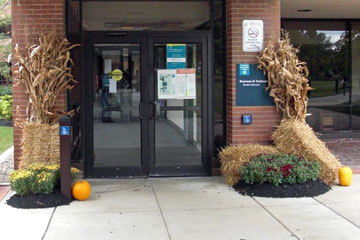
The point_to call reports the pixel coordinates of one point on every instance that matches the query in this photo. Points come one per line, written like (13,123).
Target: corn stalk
(44,70)
(287,78)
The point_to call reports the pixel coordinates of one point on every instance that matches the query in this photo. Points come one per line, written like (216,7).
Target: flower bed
(279,169)
(37,178)
(37,186)
(280,176)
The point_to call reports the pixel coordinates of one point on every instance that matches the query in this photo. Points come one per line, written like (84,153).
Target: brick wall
(264,118)
(29,18)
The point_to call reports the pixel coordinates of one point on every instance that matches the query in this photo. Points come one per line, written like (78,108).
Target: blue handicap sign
(246,119)
(244,69)
(64,130)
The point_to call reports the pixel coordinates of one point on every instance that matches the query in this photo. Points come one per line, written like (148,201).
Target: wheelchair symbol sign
(64,130)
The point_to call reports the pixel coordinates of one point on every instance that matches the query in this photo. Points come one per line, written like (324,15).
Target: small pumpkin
(81,190)
(345,176)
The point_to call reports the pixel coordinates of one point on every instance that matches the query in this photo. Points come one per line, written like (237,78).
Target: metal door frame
(147,86)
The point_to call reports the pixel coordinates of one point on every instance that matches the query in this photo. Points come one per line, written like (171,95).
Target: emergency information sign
(253,35)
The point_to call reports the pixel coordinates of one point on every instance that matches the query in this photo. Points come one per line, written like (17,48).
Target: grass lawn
(6,138)
(325,88)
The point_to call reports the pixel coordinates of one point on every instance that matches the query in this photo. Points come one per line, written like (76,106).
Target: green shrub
(6,107)
(37,178)
(279,169)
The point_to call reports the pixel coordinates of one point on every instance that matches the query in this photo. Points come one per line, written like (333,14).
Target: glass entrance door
(178,70)
(116,100)
(146,106)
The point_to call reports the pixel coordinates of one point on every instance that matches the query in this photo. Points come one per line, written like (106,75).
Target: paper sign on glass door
(112,86)
(177,84)
(166,84)
(186,83)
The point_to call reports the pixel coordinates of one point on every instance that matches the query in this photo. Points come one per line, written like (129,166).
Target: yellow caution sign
(117,74)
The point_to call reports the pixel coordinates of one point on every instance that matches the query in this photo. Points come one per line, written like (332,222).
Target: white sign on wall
(253,35)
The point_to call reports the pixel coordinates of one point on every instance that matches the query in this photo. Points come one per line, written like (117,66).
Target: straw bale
(232,157)
(298,138)
(40,143)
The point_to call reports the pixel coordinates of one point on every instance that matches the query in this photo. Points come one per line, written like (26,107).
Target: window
(333,65)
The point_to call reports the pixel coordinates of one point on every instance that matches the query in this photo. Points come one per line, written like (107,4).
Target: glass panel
(329,118)
(145,15)
(355,117)
(178,117)
(116,105)
(324,47)
(355,52)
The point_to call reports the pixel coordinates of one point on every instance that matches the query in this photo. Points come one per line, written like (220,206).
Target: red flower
(286,170)
(269,169)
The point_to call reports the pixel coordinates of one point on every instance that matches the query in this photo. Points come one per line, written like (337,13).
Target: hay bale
(233,157)
(40,143)
(298,138)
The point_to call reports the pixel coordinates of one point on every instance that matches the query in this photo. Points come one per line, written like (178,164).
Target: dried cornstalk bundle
(45,73)
(233,157)
(287,78)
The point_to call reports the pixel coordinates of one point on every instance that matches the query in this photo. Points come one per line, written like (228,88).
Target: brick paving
(3,191)
(347,151)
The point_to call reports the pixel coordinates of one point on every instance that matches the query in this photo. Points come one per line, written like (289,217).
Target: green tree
(5,38)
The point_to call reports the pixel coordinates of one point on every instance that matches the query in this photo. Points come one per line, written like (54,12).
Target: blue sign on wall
(64,130)
(175,56)
(250,86)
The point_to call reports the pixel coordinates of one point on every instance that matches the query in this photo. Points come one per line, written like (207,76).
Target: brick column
(264,118)
(29,18)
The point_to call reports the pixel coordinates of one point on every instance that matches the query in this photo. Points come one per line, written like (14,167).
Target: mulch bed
(306,189)
(39,200)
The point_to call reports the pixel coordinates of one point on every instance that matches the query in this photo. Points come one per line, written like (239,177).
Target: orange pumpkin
(81,190)
(345,176)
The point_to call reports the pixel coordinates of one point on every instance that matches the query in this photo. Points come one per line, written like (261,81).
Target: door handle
(152,110)
(147,110)
(143,111)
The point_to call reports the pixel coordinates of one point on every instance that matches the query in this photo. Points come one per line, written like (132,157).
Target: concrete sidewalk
(187,209)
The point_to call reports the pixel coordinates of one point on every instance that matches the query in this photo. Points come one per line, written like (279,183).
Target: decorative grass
(232,157)
(298,138)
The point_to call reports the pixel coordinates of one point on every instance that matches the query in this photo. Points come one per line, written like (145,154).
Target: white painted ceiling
(321,9)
